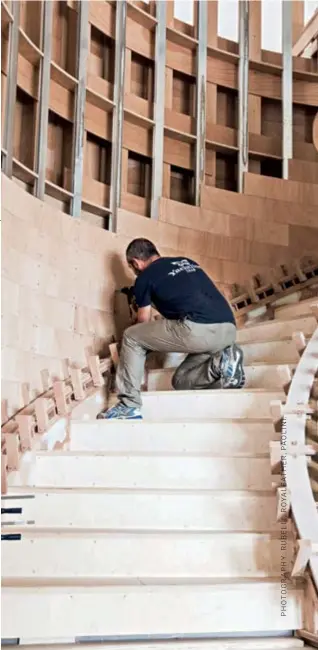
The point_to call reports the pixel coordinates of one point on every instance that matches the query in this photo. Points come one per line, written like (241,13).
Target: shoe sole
(239,363)
(104,417)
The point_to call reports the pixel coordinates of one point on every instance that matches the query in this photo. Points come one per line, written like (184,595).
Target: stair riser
(275,330)
(243,643)
(153,512)
(256,377)
(290,312)
(147,610)
(148,472)
(147,558)
(197,438)
(274,352)
(204,405)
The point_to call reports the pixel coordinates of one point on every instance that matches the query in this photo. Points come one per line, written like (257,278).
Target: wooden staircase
(159,532)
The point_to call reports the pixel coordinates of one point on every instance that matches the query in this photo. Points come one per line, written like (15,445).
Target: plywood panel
(280,189)
(306,172)
(138,105)
(222,72)
(61,101)
(98,121)
(178,153)
(180,58)
(28,77)
(137,138)
(24,129)
(264,84)
(259,207)
(139,39)
(102,16)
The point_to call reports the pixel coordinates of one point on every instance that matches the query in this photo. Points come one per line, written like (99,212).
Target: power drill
(130,294)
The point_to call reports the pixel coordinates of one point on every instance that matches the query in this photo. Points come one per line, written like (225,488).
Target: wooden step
(146,558)
(273,352)
(257,376)
(54,470)
(277,329)
(192,405)
(128,610)
(231,437)
(242,643)
(302,308)
(209,404)
(145,511)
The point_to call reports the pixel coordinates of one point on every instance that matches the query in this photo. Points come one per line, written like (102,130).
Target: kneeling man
(197,320)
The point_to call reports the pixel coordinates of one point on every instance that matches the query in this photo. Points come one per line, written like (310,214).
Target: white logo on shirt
(183,265)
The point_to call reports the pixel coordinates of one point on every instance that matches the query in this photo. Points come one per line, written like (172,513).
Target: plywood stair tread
(144,472)
(142,510)
(169,558)
(181,609)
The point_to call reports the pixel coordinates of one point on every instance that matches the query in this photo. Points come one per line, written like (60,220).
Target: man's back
(179,289)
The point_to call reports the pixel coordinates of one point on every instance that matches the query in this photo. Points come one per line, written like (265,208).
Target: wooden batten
(94,368)
(60,397)
(4,469)
(41,414)
(12,451)
(26,431)
(77,383)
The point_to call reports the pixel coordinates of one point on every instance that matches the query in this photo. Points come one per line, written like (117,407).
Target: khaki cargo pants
(199,341)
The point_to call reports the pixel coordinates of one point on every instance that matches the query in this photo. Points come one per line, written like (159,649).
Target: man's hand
(144,314)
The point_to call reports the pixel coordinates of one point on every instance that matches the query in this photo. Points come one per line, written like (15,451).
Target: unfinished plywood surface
(52,471)
(81,611)
(266,232)
(275,188)
(150,511)
(203,438)
(176,557)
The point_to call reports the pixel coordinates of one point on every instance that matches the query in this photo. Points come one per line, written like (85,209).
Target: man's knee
(130,335)
(179,381)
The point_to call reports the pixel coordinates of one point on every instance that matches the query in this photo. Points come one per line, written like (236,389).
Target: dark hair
(141,249)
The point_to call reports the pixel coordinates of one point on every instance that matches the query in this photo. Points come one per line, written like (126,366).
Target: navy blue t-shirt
(180,289)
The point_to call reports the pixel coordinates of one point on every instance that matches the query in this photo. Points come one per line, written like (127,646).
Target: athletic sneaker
(232,372)
(120,412)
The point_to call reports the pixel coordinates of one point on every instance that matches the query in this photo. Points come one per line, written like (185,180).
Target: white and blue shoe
(231,367)
(120,412)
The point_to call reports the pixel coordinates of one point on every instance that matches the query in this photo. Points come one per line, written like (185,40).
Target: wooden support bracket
(59,391)
(279,450)
(285,376)
(12,449)
(26,430)
(296,267)
(41,414)
(300,341)
(95,370)
(4,473)
(314,309)
(77,383)
(306,549)
(276,411)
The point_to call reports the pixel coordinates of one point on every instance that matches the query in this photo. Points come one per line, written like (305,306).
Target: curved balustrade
(297,477)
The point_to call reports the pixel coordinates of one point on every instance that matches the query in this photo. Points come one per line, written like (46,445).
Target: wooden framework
(25,429)
(150,110)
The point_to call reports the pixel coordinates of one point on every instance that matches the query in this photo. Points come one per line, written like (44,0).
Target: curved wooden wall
(221,141)
(60,273)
